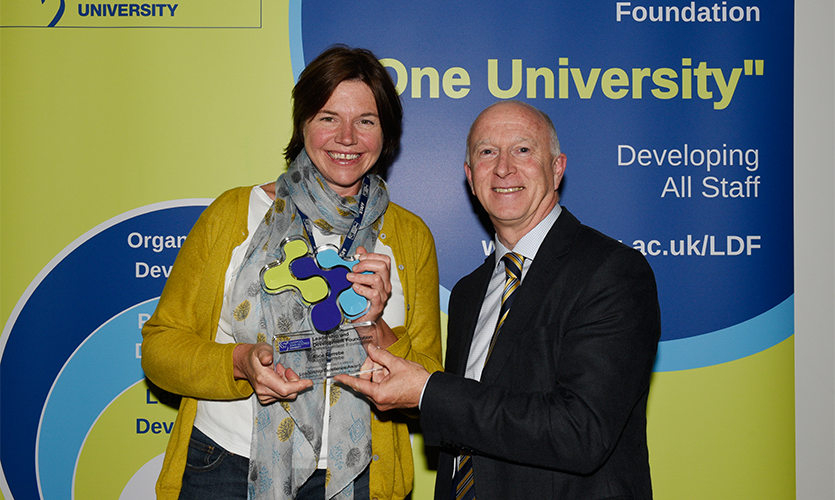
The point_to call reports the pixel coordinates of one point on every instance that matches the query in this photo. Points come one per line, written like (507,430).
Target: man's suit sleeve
(574,378)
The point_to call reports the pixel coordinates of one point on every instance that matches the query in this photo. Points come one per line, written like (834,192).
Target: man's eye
(524,150)
(486,151)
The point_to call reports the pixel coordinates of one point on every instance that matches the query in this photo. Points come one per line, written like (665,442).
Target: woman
(246,426)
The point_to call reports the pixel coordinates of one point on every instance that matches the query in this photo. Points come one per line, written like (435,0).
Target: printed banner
(87,407)
(676,118)
(660,110)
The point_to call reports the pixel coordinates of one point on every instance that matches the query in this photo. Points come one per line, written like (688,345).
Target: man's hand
(254,362)
(398,384)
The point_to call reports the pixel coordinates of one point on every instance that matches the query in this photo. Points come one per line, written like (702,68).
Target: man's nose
(504,167)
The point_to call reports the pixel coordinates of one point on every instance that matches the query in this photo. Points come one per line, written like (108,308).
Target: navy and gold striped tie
(463,480)
(513,277)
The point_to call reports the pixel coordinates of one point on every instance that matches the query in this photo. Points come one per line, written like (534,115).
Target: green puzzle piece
(276,277)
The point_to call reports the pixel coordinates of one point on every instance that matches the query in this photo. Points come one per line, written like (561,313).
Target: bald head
(498,106)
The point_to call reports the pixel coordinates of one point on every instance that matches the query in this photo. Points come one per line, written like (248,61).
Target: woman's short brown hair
(321,77)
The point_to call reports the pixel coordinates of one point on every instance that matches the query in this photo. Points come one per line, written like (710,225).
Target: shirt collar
(529,244)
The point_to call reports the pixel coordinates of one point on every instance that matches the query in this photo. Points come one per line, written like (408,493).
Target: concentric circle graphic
(78,416)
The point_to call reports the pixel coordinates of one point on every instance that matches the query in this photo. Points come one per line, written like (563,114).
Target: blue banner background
(699,294)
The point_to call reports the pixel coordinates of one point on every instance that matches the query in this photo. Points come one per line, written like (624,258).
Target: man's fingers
(355,383)
(382,357)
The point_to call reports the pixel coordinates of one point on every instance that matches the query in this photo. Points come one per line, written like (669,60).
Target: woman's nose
(345,134)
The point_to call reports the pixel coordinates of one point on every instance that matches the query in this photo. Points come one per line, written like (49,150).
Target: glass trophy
(315,355)
(332,345)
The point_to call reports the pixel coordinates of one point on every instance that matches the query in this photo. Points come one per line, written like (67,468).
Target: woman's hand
(254,362)
(375,287)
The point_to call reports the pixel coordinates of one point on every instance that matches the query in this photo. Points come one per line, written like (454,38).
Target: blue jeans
(212,473)
(314,488)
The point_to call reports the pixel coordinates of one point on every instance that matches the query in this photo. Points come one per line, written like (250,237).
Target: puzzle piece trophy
(330,348)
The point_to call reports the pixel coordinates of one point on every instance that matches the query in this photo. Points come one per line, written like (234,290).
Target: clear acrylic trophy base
(315,355)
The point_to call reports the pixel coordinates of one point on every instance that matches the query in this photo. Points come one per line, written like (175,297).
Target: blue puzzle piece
(325,315)
(321,281)
(352,304)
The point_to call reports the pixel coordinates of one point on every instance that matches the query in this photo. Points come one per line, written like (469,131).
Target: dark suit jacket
(560,412)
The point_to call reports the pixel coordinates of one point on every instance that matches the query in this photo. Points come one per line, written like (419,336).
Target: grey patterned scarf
(287,436)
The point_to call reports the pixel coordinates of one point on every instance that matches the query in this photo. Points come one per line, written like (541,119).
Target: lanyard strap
(355,226)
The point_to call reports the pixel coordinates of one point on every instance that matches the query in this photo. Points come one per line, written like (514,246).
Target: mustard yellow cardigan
(180,356)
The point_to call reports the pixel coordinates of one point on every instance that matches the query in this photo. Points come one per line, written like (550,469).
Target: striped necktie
(513,277)
(463,480)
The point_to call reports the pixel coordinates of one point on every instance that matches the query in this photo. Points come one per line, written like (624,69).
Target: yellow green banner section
(715,432)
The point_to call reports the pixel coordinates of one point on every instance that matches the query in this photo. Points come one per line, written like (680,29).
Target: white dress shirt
(527,247)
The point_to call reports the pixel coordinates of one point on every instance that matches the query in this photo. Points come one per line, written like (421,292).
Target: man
(556,408)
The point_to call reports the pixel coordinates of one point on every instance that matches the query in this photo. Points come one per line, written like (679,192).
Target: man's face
(512,171)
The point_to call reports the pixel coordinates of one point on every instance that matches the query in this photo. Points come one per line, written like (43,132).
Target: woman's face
(344,139)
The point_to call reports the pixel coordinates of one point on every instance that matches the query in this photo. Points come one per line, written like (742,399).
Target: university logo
(58,15)
(223,14)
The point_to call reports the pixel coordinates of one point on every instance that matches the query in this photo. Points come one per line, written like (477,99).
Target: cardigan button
(375,457)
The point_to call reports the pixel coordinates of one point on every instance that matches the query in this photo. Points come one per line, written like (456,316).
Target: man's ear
(469,173)
(559,170)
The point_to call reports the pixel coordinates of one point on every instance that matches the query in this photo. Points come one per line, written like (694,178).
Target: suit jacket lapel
(528,301)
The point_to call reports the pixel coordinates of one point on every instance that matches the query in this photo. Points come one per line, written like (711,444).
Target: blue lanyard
(355,226)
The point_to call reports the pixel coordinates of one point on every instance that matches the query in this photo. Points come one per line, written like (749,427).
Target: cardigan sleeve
(178,349)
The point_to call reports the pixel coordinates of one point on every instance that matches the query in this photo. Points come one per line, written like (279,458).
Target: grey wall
(814,168)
